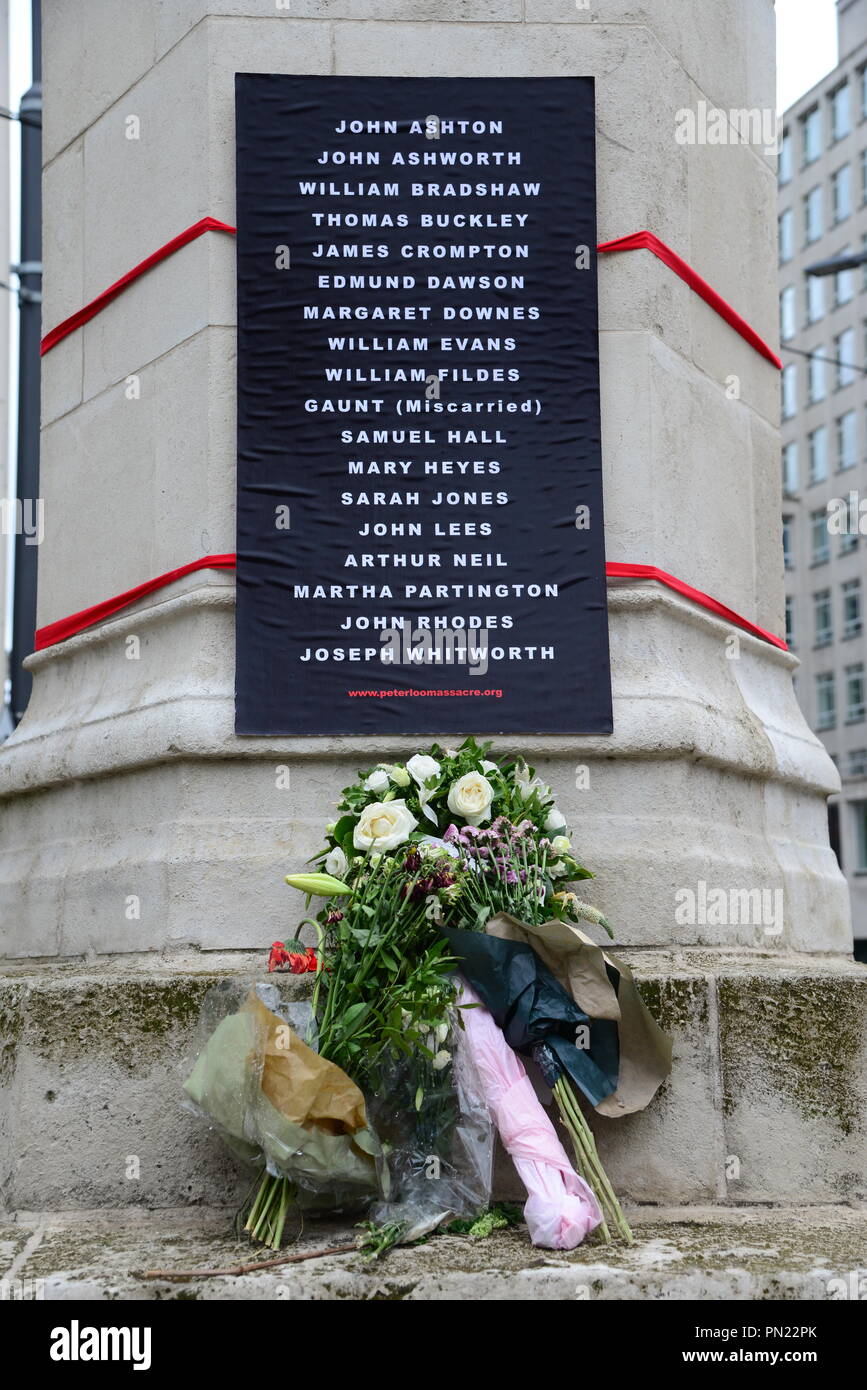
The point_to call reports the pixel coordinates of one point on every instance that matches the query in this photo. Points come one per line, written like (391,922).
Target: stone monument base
(764,1104)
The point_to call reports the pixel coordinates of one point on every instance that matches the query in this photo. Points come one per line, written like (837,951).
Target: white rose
(527,785)
(441,1060)
(561,844)
(555,820)
(383,825)
(336,863)
(377,781)
(471,796)
(557,869)
(422,768)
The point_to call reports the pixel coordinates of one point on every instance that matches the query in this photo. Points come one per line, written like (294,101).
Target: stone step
(708,1253)
(765,1102)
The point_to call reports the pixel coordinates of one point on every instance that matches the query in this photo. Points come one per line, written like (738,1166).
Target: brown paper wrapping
(582,968)
(303,1086)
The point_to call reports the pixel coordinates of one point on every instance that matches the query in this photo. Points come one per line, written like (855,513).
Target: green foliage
(386,976)
(497,1218)
(378,1240)
(385,980)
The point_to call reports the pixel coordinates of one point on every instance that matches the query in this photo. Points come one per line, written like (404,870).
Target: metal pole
(30,328)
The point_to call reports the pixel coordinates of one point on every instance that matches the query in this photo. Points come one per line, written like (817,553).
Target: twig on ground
(244,1269)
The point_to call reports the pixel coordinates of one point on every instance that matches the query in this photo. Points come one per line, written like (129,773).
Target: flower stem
(582,1162)
(598,1176)
(253,1216)
(582,1138)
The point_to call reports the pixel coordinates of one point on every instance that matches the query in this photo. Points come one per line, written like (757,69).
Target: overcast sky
(806,46)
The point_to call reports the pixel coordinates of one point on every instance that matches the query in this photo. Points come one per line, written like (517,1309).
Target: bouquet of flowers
(447,947)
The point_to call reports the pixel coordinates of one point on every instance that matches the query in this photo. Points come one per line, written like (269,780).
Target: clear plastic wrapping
(417,1149)
(437,1138)
(275,1102)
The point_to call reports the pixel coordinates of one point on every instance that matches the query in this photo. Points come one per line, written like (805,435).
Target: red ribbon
(647,241)
(56,335)
(615,570)
(88,617)
(636,242)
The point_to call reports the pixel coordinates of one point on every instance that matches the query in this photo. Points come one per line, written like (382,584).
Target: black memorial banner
(420,532)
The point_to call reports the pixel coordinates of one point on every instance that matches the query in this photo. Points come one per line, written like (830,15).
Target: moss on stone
(10,1028)
(803,1038)
(128,1018)
(677,1002)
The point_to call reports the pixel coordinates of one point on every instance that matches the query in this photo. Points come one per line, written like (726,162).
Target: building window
(819,547)
(823,630)
(816,375)
(790,621)
(851,608)
(826,701)
(857,762)
(848,542)
(846,430)
(789,391)
(841,193)
(855,693)
(790,468)
(844,282)
(786,165)
(859,810)
(817,441)
(813,215)
(788,543)
(841,122)
(844,352)
(787,236)
(862,87)
(834,829)
(815,292)
(811,135)
(788,313)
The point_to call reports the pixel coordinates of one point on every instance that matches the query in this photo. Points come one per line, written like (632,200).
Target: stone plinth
(764,1102)
(133,820)
(711,777)
(125,780)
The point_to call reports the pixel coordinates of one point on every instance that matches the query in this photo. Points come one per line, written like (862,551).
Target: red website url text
(417,694)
